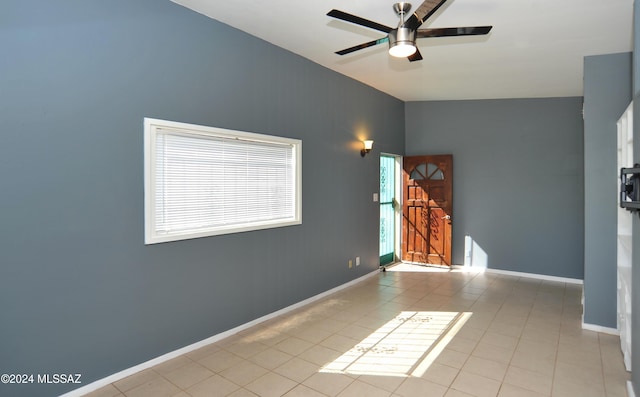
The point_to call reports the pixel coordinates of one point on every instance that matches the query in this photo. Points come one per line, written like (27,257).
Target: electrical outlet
(350,263)
(357,261)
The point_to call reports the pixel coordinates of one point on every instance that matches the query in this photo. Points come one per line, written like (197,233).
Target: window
(204,181)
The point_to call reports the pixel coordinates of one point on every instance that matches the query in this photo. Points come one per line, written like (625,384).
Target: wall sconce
(368,144)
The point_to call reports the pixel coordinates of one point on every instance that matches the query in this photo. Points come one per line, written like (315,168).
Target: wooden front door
(427,209)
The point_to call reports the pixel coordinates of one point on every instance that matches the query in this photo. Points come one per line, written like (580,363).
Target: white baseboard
(215,338)
(599,328)
(630,391)
(522,274)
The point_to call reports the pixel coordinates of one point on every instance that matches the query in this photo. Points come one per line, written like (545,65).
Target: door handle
(447,217)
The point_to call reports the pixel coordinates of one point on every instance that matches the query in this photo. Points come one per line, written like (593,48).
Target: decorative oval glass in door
(427,171)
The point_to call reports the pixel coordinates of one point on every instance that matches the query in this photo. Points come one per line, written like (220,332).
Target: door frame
(397,207)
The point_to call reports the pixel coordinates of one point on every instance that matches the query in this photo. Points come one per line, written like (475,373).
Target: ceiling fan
(402,40)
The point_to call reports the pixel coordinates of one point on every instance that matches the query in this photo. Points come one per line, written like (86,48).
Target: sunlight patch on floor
(404,346)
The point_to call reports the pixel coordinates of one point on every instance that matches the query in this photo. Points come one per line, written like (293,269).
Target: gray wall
(636,46)
(81,293)
(607,93)
(518,182)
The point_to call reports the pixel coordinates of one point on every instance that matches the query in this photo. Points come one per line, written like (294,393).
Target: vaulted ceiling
(536,47)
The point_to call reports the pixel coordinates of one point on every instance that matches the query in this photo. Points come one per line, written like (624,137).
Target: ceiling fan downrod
(401,10)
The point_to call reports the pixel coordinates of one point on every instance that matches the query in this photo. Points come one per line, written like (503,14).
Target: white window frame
(153,127)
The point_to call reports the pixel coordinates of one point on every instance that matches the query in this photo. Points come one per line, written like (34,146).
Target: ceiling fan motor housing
(402,37)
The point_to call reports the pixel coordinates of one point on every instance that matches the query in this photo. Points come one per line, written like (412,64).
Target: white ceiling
(535,49)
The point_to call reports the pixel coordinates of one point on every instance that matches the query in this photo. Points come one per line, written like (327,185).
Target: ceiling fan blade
(416,56)
(358,20)
(361,46)
(422,13)
(444,32)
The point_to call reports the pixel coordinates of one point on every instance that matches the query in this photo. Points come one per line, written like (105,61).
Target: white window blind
(205,181)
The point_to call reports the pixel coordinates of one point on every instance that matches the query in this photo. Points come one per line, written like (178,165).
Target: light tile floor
(410,331)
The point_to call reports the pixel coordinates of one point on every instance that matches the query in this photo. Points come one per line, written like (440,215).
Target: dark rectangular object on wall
(630,188)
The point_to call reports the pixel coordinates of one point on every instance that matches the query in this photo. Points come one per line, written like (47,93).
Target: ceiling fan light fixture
(402,50)
(402,42)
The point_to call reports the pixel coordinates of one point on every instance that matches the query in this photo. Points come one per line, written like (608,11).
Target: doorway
(625,236)
(390,166)
(427,188)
